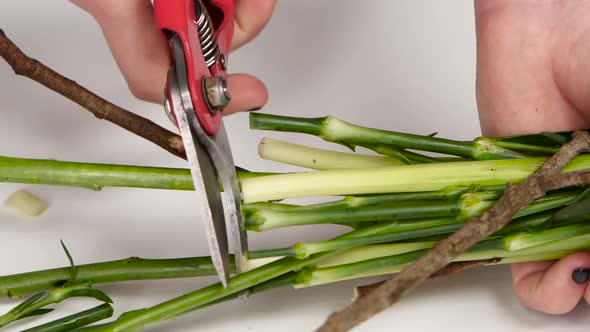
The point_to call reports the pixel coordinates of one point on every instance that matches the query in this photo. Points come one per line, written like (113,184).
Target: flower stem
(92,176)
(96,176)
(396,179)
(393,231)
(137,319)
(133,268)
(450,193)
(261,219)
(264,217)
(526,240)
(385,232)
(335,130)
(318,159)
(134,320)
(387,264)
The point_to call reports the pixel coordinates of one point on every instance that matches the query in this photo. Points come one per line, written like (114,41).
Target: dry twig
(515,198)
(450,269)
(101,108)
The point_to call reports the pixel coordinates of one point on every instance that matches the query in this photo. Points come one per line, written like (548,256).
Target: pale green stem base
(407,178)
(318,159)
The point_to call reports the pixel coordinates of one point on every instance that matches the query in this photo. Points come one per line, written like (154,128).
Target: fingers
(136,43)
(517,92)
(516,85)
(548,287)
(142,54)
(247,93)
(251,16)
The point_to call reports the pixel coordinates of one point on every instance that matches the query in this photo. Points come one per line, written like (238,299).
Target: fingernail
(580,276)
(254,109)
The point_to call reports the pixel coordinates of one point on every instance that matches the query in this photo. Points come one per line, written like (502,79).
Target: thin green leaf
(433,134)
(407,157)
(21,309)
(555,137)
(351,146)
(395,153)
(77,320)
(579,209)
(540,139)
(37,312)
(23,306)
(583,195)
(90,292)
(74,270)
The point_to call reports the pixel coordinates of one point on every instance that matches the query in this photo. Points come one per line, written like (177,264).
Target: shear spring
(206,32)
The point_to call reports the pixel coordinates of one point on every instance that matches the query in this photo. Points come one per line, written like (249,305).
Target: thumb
(548,286)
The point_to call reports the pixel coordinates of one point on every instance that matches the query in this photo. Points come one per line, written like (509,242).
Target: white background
(401,65)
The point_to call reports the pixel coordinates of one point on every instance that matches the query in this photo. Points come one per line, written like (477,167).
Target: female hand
(143,56)
(533,74)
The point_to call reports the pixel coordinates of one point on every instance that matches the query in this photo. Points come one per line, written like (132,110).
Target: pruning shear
(199,34)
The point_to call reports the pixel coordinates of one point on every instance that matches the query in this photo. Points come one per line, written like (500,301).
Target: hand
(143,56)
(533,74)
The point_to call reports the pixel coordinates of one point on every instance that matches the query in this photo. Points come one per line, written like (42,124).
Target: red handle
(178,16)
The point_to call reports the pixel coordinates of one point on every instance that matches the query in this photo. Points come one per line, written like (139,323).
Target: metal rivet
(216,92)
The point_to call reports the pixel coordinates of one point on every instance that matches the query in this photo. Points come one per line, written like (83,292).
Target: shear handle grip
(179,17)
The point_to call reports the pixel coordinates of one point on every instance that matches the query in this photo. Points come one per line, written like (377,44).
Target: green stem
(135,320)
(96,176)
(548,202)
(133,268)
(312,126)
(318,159)
(261,219)
(92,176)
(386,264)
(80,319)
(450,193)
(335,130)
(138,319)
(264,217)
(407,178)
(263,276)
(523,147)
(393,232)
(387,232)
(526,240)
(362,253)
(421,178)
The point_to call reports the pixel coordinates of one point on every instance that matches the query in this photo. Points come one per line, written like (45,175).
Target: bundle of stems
(399,202)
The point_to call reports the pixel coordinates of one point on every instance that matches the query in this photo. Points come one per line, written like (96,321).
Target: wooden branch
(515,198)
(101,108)
(448,270)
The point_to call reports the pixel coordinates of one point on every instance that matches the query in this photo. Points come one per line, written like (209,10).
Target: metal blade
(221,155)
(219,151)
(209,200)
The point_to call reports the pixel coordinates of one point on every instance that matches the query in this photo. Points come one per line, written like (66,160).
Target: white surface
(402,65)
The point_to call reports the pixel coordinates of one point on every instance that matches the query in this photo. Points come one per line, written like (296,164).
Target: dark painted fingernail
(254,109)
(580,276)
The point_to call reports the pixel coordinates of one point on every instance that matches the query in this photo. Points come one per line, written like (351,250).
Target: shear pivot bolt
(216,92)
